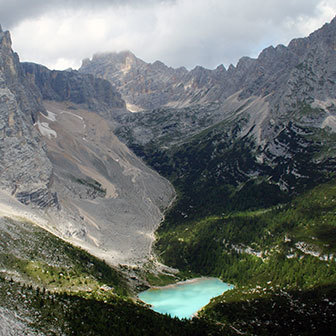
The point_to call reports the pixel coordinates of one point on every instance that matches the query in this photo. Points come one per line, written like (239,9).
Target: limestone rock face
(146,86)
(25,170)
(96,94)
(285,78)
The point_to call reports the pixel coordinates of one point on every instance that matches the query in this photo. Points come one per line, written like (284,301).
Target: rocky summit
(147,86)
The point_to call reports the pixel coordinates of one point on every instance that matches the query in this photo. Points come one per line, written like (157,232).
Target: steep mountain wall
(25,170)
(94,93)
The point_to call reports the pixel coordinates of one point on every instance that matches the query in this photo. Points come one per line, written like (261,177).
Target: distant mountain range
(148,86)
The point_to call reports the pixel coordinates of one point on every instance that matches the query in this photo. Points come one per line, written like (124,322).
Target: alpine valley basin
(185,298)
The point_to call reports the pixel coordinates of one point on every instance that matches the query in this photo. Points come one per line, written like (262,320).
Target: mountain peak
(159,65)
(126,53)
(120,56)
(326,29)
(5,38)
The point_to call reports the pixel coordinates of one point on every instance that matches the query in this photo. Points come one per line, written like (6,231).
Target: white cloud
(179,33)
(326,10)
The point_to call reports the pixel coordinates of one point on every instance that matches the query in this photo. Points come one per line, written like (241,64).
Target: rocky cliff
(147,86)
(25,170)
(96,94)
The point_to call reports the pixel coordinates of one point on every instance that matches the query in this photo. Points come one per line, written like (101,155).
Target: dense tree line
(255,246)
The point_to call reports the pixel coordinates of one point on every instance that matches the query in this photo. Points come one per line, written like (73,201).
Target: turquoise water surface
(184,298)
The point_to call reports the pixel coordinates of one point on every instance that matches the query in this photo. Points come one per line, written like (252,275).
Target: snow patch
(51,116)
(45,130)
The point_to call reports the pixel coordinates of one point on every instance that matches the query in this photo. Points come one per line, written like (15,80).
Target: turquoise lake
(184,299)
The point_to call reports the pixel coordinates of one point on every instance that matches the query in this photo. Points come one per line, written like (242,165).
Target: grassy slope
(279,242)
(33,255)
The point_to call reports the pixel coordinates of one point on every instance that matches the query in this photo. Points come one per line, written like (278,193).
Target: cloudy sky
(60,33)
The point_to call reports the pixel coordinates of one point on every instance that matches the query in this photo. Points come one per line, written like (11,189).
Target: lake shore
(182,282)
